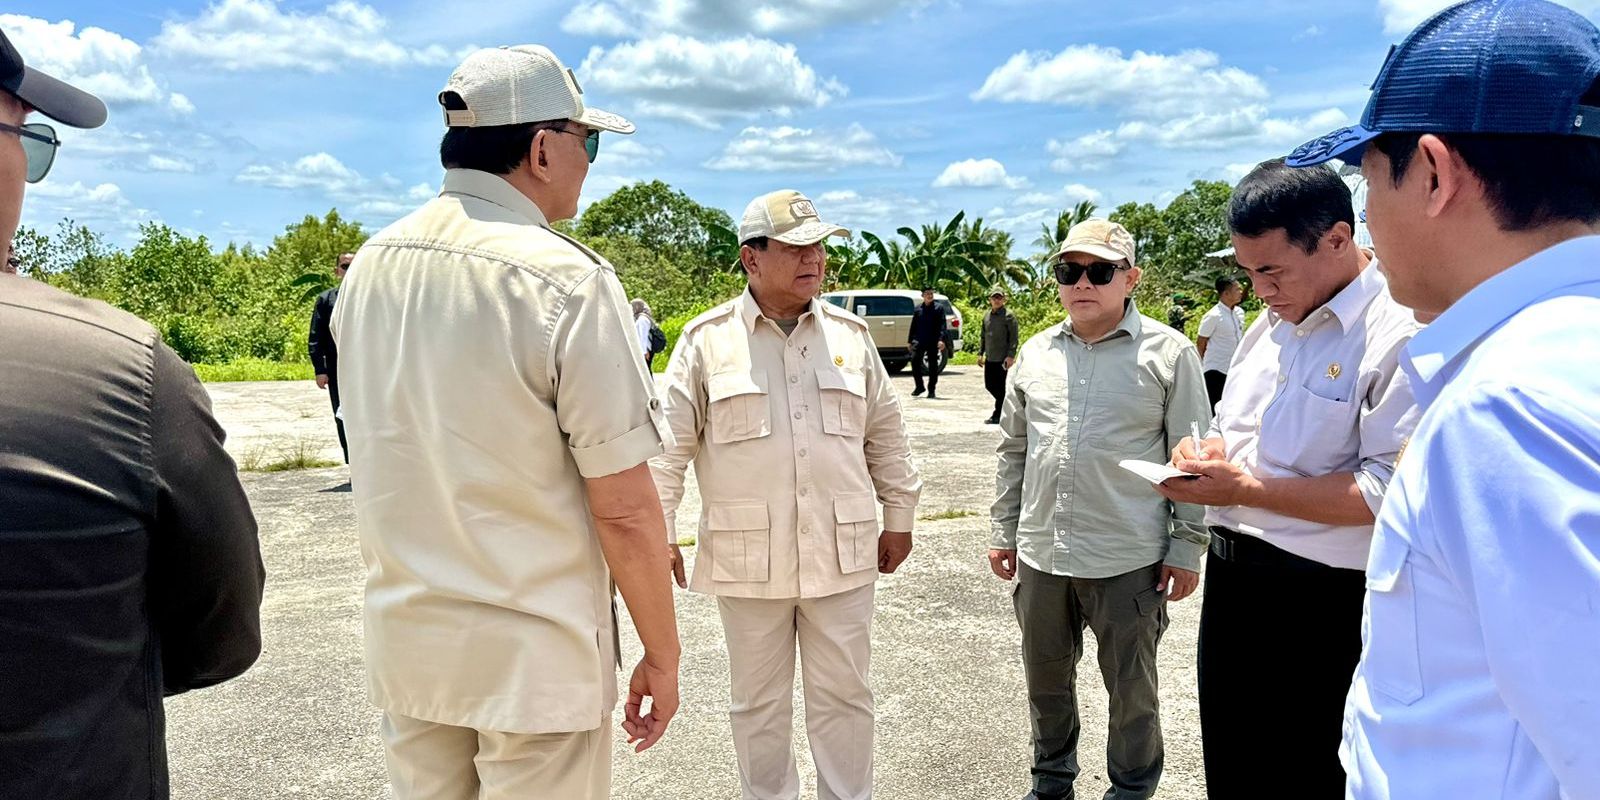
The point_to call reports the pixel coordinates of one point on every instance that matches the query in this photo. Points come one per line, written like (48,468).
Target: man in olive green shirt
(1097,546)
(1000,340)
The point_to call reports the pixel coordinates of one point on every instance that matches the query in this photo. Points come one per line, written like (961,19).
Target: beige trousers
(835,637)
(430,761)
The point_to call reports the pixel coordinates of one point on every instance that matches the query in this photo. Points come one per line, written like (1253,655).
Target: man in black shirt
(928,326)
(129,565)
(324,355)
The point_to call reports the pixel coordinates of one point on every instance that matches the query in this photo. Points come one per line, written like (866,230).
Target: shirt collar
(493,188)
(751,312)
(1448,339)
(1129,324)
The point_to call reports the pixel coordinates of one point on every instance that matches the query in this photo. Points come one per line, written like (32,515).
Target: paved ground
(952,716)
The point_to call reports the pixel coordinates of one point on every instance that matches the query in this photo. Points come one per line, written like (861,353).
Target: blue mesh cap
(1483,66)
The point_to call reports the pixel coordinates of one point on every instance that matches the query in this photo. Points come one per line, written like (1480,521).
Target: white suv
(888,314)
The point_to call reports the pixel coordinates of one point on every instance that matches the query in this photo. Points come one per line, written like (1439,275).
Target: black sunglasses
(591,141)
(39,143)
(1100,272)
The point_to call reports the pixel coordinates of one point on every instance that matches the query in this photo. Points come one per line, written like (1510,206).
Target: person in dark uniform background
(928,326)
(324,356)
(999,349)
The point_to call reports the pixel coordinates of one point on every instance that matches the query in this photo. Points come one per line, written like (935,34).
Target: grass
(300,455)
(964,358)
(949,513)
(253,369)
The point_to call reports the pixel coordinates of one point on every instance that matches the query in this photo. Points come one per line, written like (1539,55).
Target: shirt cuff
(624,452)
(1373,483)
(1002,538)
(1184,554)
(899,519)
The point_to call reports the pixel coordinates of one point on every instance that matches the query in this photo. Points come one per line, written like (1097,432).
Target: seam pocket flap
(844,380)
(1388,558)
(855,508)
(732,384)
(751,517)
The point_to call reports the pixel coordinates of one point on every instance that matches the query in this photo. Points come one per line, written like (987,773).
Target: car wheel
(895,367)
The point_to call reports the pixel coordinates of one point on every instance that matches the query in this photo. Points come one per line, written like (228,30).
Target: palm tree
(1050,236)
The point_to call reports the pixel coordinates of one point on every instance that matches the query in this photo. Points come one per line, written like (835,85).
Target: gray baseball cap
(48,95)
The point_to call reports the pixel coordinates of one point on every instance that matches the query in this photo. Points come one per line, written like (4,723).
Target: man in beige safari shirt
(499,419)
(796,436)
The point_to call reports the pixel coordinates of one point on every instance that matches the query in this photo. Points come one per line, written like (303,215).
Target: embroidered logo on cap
(802,208)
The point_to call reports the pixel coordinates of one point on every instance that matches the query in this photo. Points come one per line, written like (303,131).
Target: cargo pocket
(1394,667)
(856,531)
(738,406)
(844,401)
(738,542)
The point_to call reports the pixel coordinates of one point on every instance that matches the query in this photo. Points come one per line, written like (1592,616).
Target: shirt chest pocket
(1391,660)
(1311,434)
(738,406)
(844,401)
(1129,420)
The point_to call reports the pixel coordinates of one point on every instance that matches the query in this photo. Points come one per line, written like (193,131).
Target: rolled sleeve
(605,401)
(1187,407)
(1388,418)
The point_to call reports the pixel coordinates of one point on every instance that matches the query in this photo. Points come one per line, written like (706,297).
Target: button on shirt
(1478,678)
(1322,397)
(488,365)
(1223,327)
(796,439)
(1072,410)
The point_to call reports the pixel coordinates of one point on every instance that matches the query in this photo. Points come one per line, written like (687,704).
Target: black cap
(49,96)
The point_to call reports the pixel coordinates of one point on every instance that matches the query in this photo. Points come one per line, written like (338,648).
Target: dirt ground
(952,713)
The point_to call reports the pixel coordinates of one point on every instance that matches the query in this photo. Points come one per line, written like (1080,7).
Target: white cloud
(93,59)
(1069,195)
(803,150)
(380,197)
(626,151)
(879,212)
(622,18)
(1309,33)
(1087,153)
(1141,85)
(102,206)
(1250,125)
(974,172)
(241,35)
(708,82)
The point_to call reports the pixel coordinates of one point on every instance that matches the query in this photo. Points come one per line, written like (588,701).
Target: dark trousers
(925,358)
(1128,615)
(994,379)
(1214,384)
(1279,639)
(333,397)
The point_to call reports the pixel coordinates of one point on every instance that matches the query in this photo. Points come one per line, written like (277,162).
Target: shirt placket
(1080,370)
(795,356)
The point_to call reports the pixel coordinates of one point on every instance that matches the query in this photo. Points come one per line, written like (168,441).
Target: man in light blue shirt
(1480,671)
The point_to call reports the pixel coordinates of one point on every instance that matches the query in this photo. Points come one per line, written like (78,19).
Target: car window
(838,300)
(885,306)
(943,305)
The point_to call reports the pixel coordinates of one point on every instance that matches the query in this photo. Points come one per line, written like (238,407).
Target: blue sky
(234,118)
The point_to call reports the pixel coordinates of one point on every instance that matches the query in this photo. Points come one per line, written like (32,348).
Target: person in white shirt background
(1482,630)
(1220,331)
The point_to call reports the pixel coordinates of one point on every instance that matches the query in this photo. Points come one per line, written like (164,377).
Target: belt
(1231,545)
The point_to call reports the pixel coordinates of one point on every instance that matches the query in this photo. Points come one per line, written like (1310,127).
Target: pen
(1199,450)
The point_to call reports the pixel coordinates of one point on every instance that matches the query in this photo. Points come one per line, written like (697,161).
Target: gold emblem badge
(1334,370)
(1404,443)
(838,361)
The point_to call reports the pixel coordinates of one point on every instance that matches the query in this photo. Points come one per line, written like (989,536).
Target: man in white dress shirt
(1218,338)
(1294,468)
(1478,678)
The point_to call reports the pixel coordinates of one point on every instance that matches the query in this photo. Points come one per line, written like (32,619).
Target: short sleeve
(1208,323)
(605,400)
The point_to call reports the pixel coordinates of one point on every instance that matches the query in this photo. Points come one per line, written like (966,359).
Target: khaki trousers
(835,638)
(430,761)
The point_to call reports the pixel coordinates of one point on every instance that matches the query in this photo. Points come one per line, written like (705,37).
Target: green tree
(310,247)
(658,217)
(1052,234)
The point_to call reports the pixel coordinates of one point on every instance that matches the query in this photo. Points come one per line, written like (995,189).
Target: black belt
(1231,545)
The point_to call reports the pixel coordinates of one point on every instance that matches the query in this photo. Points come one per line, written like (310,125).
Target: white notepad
(1153,472)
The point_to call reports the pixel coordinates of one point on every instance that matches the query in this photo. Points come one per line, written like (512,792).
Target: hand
(1207,450)
(322,381)
(1183,582)
(676,556)
(1003,563)
(660,684)
(912,347)
(941,346)
(1009,362)
(1220,484)
(892,550)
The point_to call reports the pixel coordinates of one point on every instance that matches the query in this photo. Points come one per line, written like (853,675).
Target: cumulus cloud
(973,172)
(382,197)
(102,206)
(1248,125)
(803,149)
(106,64)
(623,18)
(1086,153)
(1067,196)
(708,82)
(243,35)
(874,211)
(1143,84)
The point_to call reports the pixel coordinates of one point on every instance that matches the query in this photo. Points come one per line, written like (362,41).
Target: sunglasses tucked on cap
(786,216)
(515,85)
(1483,66)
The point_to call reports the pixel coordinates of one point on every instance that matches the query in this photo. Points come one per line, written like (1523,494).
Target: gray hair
(641,307)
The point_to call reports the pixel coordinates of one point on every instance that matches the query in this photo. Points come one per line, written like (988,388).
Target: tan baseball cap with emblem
(515,85)
(787,216)
(1100,238)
